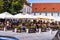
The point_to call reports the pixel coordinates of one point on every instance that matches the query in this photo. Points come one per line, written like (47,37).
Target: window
(58,14)
(34,13)
(40,13)
(45,14)
(51,14)
(24,10)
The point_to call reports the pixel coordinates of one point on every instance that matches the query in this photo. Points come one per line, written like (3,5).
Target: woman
(8,25)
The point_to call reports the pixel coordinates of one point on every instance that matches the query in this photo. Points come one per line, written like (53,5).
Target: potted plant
(43,28)
(32,29)
(1,27)
(16,28)
(58,27)
(27,28)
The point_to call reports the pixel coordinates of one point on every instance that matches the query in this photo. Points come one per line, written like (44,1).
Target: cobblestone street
(30,36)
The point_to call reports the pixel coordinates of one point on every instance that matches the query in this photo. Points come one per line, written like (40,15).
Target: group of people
(10,24)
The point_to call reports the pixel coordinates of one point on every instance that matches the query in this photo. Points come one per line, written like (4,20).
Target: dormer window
(35,8)
(44,8)
(53,8)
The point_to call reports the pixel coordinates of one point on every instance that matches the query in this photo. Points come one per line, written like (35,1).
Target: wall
(47,14)
(26,9)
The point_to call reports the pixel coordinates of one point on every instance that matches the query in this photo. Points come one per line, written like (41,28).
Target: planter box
(31,30)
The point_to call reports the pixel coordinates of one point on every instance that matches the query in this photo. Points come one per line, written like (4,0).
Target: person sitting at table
(7,25)
(23,27)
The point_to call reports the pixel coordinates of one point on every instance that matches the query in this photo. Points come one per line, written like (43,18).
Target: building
(46,9)
(27,8)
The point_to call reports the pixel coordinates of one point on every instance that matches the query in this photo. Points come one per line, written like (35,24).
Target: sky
(44,1)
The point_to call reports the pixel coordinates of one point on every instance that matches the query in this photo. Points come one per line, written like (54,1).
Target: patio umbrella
(24,16)
(18,15)
(45,17)
(57,19)
(41,17)
(50,17)
(6,15)
(29,16)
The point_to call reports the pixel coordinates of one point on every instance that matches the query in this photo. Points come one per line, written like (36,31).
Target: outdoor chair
(23,29)
(32,30)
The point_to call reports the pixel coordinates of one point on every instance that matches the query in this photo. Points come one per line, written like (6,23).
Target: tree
(13,6)
(1,6)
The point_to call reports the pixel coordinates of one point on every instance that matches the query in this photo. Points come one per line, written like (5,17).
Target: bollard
(26,30)
(39,30)
(15,30)
(4,28)
(50,31)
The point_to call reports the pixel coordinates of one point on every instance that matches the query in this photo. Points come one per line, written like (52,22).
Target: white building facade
(46,9)
(27,8)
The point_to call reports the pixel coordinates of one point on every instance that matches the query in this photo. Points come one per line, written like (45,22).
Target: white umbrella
(50,17)
(6,15)
(57,19)
(24,16)
(40,16)
(28,16)
(18,15)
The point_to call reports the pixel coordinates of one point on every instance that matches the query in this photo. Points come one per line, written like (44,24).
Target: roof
(45,7)
(27,3)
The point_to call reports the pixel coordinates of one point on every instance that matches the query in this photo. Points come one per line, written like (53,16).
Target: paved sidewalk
(30,36)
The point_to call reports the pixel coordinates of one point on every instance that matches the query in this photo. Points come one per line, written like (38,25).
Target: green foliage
(1,2)
(58,26)
(32,26)
(11,6)
(1,5)
(43,26)
(17,26)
